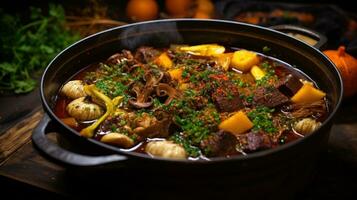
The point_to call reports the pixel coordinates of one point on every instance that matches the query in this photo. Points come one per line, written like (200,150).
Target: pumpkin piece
(257,72)
(307,94)
(205,6)
(224,60)
(244,60)
(237,124)
(204,49)
(347,65)
(201,15)
(164,61)
(176,74)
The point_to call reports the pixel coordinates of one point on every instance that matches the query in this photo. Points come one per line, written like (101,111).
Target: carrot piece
(70,121)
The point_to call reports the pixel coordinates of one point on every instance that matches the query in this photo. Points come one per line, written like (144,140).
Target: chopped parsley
(190,149)
(262,119)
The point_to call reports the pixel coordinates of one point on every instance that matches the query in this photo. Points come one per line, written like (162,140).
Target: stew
(192,102)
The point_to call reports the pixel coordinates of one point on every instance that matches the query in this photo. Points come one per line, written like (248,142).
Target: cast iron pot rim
(254,155)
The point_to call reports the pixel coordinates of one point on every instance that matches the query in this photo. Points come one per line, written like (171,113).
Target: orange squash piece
(307,94)
(237,124)
(164,61)
(176,74)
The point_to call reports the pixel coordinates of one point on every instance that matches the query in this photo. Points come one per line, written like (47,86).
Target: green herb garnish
(262,119)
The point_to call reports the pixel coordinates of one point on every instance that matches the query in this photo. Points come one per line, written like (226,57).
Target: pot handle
(320,38)
(56,153)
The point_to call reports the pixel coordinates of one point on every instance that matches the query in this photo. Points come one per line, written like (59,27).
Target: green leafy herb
(269,77)
(28,48)
(262,119)
(190,149)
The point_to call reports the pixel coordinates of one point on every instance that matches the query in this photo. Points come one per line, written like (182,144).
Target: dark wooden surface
(21,166)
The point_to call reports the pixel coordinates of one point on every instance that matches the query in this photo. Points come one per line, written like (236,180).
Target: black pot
(266,171)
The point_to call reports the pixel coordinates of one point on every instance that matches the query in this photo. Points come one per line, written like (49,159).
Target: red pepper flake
(219,77)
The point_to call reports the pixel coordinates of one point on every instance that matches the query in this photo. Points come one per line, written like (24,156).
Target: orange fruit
(205,6)
(141,10)
(178,8)
(201,15)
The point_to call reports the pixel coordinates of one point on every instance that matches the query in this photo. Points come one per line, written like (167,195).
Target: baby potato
(243,60)
(74,89)
(83,110)
(118,139)
(166,149)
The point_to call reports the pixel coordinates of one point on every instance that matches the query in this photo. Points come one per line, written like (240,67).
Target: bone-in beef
(219,144)
(226,98)
(269,96)
(254,141)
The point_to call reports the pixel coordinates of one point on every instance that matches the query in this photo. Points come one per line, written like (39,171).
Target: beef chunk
(269,96)
(146,54)
(254,141)
(219,144)
(289,85)
(226,98)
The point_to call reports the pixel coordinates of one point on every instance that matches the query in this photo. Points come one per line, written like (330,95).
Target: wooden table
(21,166)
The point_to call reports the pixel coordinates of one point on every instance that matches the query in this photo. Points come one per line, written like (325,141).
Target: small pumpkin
(347,65)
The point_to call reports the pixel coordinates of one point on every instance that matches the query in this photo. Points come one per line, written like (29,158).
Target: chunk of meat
(146,54)
(227,98)
(219,144)
(269,97)
(289,85)
(253,141)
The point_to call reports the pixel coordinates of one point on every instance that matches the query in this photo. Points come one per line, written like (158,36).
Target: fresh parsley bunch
(28,48)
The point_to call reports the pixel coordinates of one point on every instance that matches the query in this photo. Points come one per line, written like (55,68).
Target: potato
(224,60)
(244,60)
(164,61)
(165,149)
(237,124)
(257,72)
(307,94)
(204,49)
(118,139)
